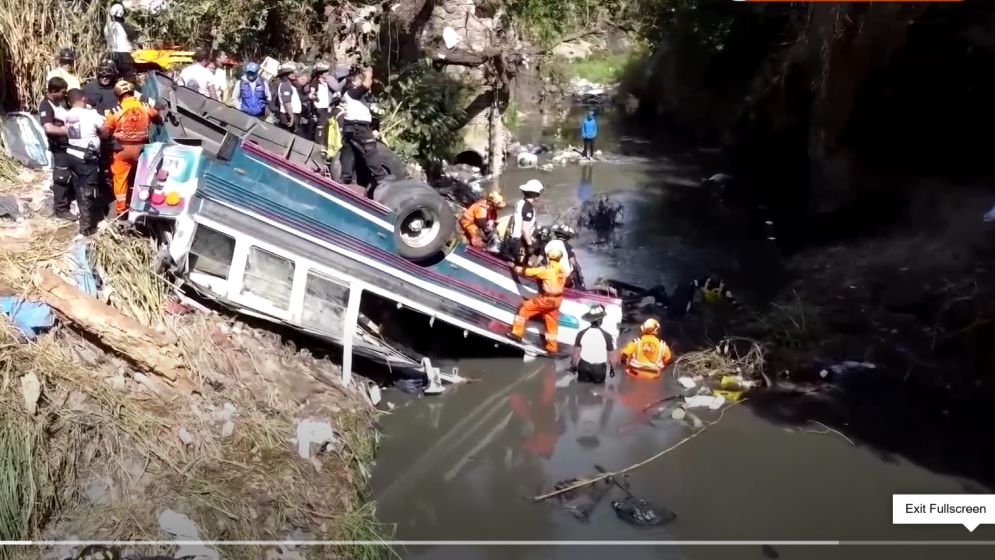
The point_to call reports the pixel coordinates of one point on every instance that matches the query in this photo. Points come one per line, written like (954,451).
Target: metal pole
(348,329)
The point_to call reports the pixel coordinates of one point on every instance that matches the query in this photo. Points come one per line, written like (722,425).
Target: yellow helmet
(496,199)
(122,87)
(650,326)
(554,253)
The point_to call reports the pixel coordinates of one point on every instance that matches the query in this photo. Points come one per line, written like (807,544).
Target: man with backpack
(128,124)
(252,96)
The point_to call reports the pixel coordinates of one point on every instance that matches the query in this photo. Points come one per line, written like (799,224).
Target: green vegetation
(602,68)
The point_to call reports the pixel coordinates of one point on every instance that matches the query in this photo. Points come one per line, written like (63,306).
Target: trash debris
(31,391)
(527,160)
(713,402)
(313,431)
(183,529)
(686,382)
(565,381)
(228,428)
(731,396)
(678,414)
(185,436)
(30,318)
(373,391)
(642,513)
(80,269)
(410,385)
(9,208)
(844,368)
(581,502)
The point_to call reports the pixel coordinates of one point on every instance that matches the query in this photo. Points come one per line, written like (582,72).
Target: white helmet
(116,10)
(532,186)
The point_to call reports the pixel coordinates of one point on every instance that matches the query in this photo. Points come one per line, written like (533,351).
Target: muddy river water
(464,465)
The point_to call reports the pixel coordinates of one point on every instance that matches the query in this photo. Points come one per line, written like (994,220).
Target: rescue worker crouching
(646,356)
(519,237)
(547,303)
(559,236)
(477,221)
(128,124)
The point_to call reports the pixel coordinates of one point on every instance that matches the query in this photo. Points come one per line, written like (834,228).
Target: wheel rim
(420,228)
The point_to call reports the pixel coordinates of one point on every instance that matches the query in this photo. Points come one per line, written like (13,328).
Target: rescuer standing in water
(646,356)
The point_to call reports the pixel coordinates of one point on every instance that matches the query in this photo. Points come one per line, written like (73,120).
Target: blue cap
(252,68)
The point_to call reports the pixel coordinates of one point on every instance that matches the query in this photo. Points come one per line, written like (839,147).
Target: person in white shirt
(519,237)
(594,349)
(83,125)
(197,77)
(288,97)
(322,100)
(222,80)
(120,36)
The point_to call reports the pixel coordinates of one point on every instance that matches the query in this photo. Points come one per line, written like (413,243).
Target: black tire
(391,192)
(430,214)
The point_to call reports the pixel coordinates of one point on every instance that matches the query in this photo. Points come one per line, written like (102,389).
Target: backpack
(132,123)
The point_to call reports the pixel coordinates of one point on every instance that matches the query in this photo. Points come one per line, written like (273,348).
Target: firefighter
(646,356)
(559,236)
(478,220)
(547,304)
(128,124)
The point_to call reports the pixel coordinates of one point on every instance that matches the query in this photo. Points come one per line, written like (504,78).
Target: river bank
(253,438)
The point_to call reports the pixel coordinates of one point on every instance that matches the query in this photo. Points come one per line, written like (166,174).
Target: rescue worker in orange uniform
(552,279)
(646,356)
(128,125)
(477,221)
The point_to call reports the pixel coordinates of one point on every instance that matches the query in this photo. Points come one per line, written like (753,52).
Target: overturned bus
(251,221)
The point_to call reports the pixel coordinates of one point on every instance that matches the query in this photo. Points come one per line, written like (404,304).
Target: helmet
(496,199)
(252,68)
(122,87)
(532,186)
(554,254)
(67,54)
(321,66)
(564,231)
(116,10)
(544,233)
(596,312)
(650,326)
(286,68)
(107,69)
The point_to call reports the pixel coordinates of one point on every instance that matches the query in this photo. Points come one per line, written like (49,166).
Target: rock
(450,37)
(182,528)
(547,167)
(574,50)
(227,428)
(527,160)
(31,391)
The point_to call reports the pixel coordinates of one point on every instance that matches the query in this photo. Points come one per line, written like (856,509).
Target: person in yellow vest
(552,279)
(66,69)
(646,356)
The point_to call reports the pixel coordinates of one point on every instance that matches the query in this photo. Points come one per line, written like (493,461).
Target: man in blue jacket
(253,93)
(588,132)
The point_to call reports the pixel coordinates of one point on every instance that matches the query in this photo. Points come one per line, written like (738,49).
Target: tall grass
(31,34)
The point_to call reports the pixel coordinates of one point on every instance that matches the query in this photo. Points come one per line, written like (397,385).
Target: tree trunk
(142,346)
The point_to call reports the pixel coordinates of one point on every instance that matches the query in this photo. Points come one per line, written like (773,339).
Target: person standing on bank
(305,124)
(286,99)
(357,130)
(588,132)
(252,94)
(322,100)
(83,125)
(593,352)
(66,69)
(120,35)
(52,112)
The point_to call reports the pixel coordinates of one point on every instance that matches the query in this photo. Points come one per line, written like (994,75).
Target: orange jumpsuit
(547,304)
(480,211)
(130,133)
(646,356)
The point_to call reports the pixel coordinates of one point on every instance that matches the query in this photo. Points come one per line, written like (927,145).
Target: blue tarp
(28,316)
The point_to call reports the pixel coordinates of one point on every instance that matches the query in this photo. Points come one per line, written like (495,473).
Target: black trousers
(359,137)
(320,126)
(347,164)
(85,173)
(591,373)
(588,147)
(125,65)
(62,182)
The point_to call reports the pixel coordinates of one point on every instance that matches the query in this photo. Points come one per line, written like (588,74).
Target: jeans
(588,147)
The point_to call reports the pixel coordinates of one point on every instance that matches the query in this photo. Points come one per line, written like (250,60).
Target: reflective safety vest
(646,356)
(253,96)
(130,121)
